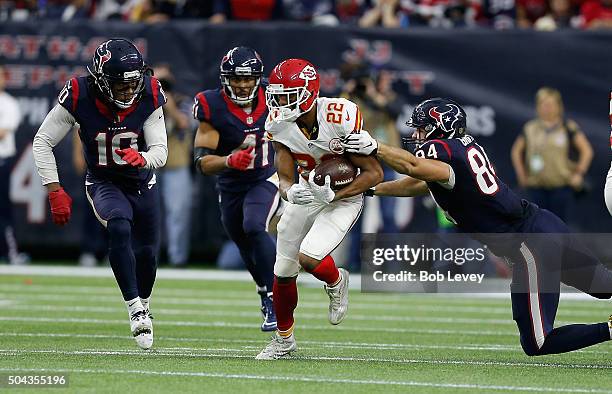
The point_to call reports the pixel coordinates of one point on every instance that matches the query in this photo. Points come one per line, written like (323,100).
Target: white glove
(299,194)
(361,143)
(321,193)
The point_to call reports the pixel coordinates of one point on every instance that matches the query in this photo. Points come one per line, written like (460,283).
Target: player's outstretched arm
(404,187)
(400,160)
(405,162)
(54,128)
(370,175)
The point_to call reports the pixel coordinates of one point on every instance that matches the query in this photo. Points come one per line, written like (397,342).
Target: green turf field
(207,334)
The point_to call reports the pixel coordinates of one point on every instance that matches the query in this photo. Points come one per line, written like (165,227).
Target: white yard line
(204,353)
(309,379)
(311,344)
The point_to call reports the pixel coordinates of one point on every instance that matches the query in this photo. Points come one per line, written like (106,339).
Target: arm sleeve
(53,129)
(157,140)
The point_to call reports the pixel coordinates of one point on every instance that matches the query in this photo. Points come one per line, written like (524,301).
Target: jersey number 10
(115,143)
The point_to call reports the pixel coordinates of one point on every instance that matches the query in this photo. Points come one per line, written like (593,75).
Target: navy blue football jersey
(237,130)
(479,202)
(104,128)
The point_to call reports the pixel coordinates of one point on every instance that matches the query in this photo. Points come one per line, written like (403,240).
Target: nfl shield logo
(249,120)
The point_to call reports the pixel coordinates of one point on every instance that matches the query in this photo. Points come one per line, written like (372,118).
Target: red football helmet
(293,89)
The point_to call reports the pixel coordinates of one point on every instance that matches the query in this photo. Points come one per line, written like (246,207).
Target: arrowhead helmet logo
(308,73)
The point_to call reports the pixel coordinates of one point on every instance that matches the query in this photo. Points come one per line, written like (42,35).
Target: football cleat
(278,347)
(269,316)
(338,298)
(142,329)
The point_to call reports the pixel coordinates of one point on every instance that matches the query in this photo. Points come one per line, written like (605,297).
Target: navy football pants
(245,216)
(542,259)
(132,219)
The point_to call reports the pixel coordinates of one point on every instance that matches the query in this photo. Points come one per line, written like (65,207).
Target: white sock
(262,289)
(145,302)
(134,306)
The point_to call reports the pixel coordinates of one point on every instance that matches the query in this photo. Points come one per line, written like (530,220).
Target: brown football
(339,168)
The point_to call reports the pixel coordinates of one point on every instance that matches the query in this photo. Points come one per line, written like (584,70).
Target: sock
(327,271)
(134,306)
(121,257)
(285,302)
(610,326)
(145,302)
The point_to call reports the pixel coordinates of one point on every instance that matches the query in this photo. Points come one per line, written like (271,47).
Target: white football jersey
(336,117)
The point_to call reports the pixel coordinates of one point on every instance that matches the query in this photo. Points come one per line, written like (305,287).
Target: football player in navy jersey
(230,143)
(457,172)
(122,129)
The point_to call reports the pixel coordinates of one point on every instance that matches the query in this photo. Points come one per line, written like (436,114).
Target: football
(340,169)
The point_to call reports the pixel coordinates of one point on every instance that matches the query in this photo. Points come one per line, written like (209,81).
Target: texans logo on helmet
(446,119)
(104,55)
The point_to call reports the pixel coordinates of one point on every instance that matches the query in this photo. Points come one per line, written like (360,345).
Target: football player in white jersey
(305,130)
(608,188)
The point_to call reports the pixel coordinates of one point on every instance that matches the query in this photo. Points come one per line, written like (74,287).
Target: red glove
(61,206)
(132,157)
(240,160)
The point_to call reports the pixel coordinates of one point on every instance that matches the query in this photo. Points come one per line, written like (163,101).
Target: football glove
(299,194)
(132,157)
(324,193)
(241,159)
(361,143)
(61,206)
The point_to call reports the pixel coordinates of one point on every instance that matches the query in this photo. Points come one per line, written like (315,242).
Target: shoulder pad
(73,90)
(153,87)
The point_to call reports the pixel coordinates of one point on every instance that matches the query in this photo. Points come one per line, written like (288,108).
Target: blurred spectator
(18,10)
(197,9)
(385,13)
(597,14)
(94,242)
(529,11)
(498,14)
(541,155)
(175,177)
(439,13)
(65,10)
(349,11)
(559,16)
(153,11)
(246,10)
(10,117)
(114,9)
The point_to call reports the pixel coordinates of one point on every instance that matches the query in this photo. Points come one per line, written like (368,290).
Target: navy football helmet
(241,62)
(439,118)
(115,62)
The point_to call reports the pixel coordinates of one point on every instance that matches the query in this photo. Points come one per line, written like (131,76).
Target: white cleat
(338,298)
(142,329)
(278,347)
